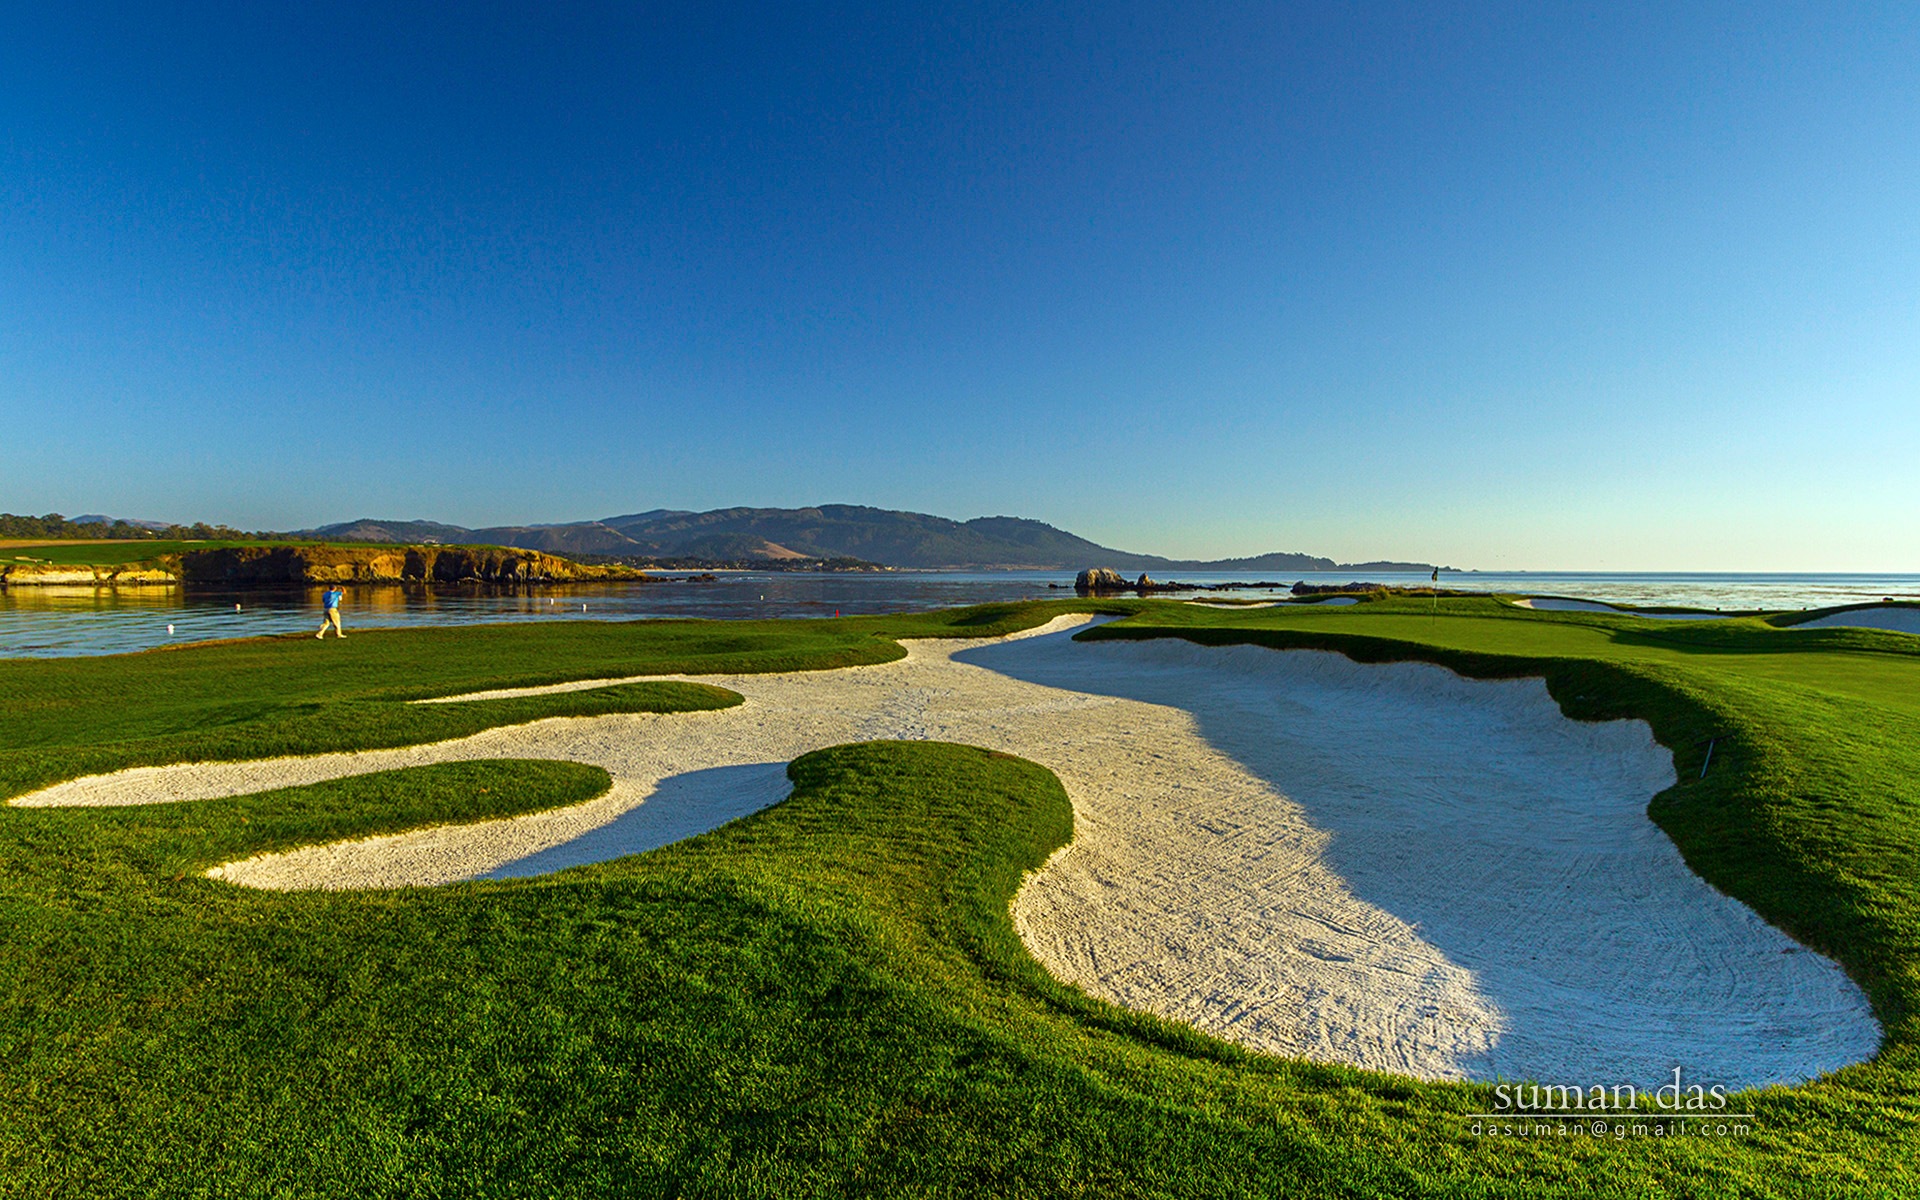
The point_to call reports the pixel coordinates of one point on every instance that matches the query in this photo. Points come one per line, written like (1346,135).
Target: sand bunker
(1899,618)
(1556,604)
(1331,602)
(1385,866)
(1561,604)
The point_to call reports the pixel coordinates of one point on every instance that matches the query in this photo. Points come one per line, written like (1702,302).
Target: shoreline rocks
(296,565)
(1095,580)
(19,574)
(1105,581)
(244,566)
(1102,581)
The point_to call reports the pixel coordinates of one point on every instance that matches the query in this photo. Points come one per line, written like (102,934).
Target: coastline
(284,565)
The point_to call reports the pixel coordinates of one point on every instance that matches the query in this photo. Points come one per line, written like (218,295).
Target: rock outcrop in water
(1095,580)
(1101,581)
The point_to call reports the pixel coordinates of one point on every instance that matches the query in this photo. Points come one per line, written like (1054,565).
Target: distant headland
(888,537)
(828,537)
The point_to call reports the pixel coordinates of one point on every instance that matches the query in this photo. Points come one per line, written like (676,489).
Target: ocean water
(62,621)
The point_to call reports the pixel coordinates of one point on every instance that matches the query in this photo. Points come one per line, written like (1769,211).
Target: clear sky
(1602,286)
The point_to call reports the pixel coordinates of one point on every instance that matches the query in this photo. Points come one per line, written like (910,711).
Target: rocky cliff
(270,565)
(40,574)
(253,566)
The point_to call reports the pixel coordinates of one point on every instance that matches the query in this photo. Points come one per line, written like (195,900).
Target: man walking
(332,600)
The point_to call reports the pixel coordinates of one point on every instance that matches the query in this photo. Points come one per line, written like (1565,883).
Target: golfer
(332,601)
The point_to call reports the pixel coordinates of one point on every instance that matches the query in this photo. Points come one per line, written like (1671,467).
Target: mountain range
(878,535)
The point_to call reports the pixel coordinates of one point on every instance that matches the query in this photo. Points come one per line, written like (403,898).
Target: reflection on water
(56,621)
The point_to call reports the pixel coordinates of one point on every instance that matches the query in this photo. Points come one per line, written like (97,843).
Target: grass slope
(113,554)
(828,997)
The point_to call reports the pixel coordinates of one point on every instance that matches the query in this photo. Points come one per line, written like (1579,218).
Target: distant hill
(137,522)
(887,536)
(424,532)
(584,537)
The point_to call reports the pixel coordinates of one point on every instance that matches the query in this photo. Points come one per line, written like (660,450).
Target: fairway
(830,995)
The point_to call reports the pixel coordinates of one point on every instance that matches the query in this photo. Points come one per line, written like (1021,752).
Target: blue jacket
(333,598)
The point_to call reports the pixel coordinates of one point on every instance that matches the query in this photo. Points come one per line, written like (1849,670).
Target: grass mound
(242,728)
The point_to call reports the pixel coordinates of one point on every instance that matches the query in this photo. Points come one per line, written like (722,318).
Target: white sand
(1899,618)
(1555,604)
(1559,604)
(1385,866)
(1331,602)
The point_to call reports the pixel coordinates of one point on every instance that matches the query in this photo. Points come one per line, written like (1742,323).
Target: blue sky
(1610,287)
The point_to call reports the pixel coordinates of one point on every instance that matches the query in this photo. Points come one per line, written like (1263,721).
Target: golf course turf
(828,997)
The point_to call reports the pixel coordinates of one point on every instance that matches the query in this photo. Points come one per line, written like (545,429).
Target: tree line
(53,526)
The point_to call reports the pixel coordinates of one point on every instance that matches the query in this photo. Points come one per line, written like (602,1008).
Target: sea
(41,622)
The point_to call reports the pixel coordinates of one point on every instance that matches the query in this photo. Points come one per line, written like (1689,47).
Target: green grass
(112,554)
(828,997)
(261,697)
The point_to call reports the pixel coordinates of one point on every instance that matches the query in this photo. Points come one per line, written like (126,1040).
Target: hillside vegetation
(878,535)
(829,532)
